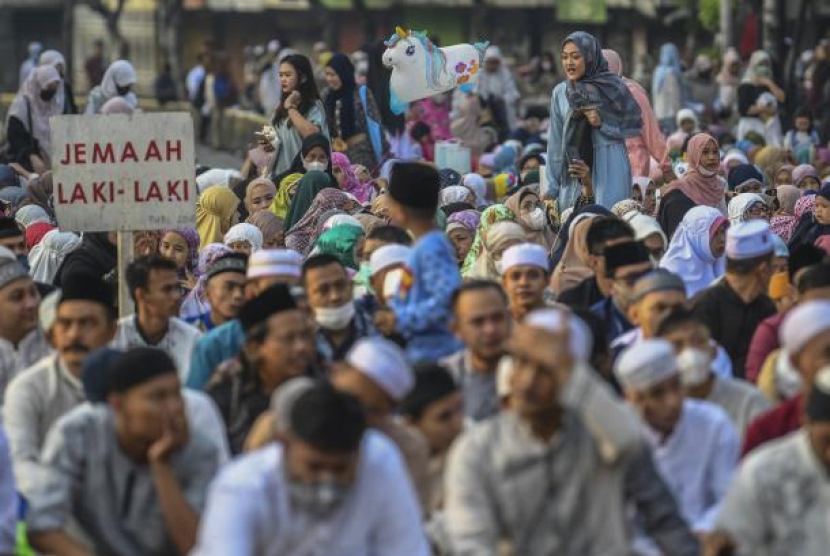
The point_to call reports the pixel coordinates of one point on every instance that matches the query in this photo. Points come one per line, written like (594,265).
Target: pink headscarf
(703,190)
(363,192)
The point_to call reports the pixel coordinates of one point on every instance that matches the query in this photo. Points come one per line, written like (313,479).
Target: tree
(111,17)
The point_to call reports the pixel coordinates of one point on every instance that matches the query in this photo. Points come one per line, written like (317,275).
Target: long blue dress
(611,174)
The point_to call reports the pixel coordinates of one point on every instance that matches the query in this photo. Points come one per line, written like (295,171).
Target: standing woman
(346,107)
(118,81)
(650,142)
(667,87)
(756,81)
(592,114)
(300,114)
(27,126)
(66,98)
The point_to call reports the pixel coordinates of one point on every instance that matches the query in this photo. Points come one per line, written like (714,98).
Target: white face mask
(694,365)
(788,381)
(310,166)
(536,220)
(392,283)
(334,318)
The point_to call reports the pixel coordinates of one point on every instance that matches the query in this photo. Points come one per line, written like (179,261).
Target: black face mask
(48,94)
(123,91)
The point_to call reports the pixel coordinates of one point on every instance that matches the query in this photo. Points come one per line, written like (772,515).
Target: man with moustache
(85,321)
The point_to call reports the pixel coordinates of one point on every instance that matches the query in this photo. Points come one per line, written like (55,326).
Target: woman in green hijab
(344,242)
(310,185)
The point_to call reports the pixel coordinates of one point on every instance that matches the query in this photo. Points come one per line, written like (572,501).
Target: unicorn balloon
(421,70)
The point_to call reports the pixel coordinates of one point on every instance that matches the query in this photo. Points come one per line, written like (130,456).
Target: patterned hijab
(601,88)
(191,236)
(302,235)
(490,216)
(363,191)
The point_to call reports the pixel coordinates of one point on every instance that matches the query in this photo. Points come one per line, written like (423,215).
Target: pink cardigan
(651,142)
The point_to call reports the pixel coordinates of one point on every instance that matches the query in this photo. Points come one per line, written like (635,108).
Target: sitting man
(696,352)
(695,444)
(327,486)
(129,473)
(154,287)
(279,345)
(525,276)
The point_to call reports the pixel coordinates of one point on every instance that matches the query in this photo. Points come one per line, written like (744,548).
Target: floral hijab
(490,216)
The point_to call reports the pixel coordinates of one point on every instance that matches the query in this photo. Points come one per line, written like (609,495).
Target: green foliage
(709,14)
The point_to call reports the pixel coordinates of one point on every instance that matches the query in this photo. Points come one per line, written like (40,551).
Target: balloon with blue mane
(420,69)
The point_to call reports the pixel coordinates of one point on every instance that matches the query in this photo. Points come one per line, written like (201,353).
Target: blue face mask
(24,260)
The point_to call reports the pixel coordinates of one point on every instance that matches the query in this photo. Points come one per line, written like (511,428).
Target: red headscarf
(35,233)
(703,190)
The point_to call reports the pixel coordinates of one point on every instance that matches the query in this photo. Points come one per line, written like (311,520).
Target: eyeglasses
(757,211)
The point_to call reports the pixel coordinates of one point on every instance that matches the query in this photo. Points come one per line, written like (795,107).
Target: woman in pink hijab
(700,183)
(650,142)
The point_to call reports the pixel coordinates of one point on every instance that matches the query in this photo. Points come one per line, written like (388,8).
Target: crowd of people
(611,337)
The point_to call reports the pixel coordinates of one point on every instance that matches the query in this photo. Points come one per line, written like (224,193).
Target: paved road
(217,159)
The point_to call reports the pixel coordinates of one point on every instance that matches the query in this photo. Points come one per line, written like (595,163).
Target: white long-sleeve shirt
(249,513)
(698,460)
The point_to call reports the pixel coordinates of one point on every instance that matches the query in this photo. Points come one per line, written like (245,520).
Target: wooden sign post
(123,174)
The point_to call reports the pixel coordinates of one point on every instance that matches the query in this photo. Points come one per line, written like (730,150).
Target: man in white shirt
(154,286)
(695,444)
(84,322)
(780,499)
(327,487)
(696,352)
(22,342)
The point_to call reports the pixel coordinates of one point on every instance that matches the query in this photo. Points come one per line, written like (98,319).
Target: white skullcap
(504,373)
(48,310)
(525,254)
(803,323)
(492,53)
(385,363)
(388,255)
(275,262)
(553,320)
(645,363)
(747,240)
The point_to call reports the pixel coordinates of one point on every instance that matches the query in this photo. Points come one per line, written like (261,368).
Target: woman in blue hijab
(668,90)
(592,114)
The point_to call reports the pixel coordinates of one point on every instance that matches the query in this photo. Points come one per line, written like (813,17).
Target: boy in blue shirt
(420,310)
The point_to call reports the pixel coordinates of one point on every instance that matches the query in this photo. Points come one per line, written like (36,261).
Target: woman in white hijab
(31,214)
(27,126)
(46,257)
(747,206)
(65,96)
(118,81)
(244,238)
(696,252)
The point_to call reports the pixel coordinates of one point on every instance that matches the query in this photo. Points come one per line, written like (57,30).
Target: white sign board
(124,172)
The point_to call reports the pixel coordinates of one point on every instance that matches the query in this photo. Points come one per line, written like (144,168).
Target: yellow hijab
(283,199)
(214,210)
